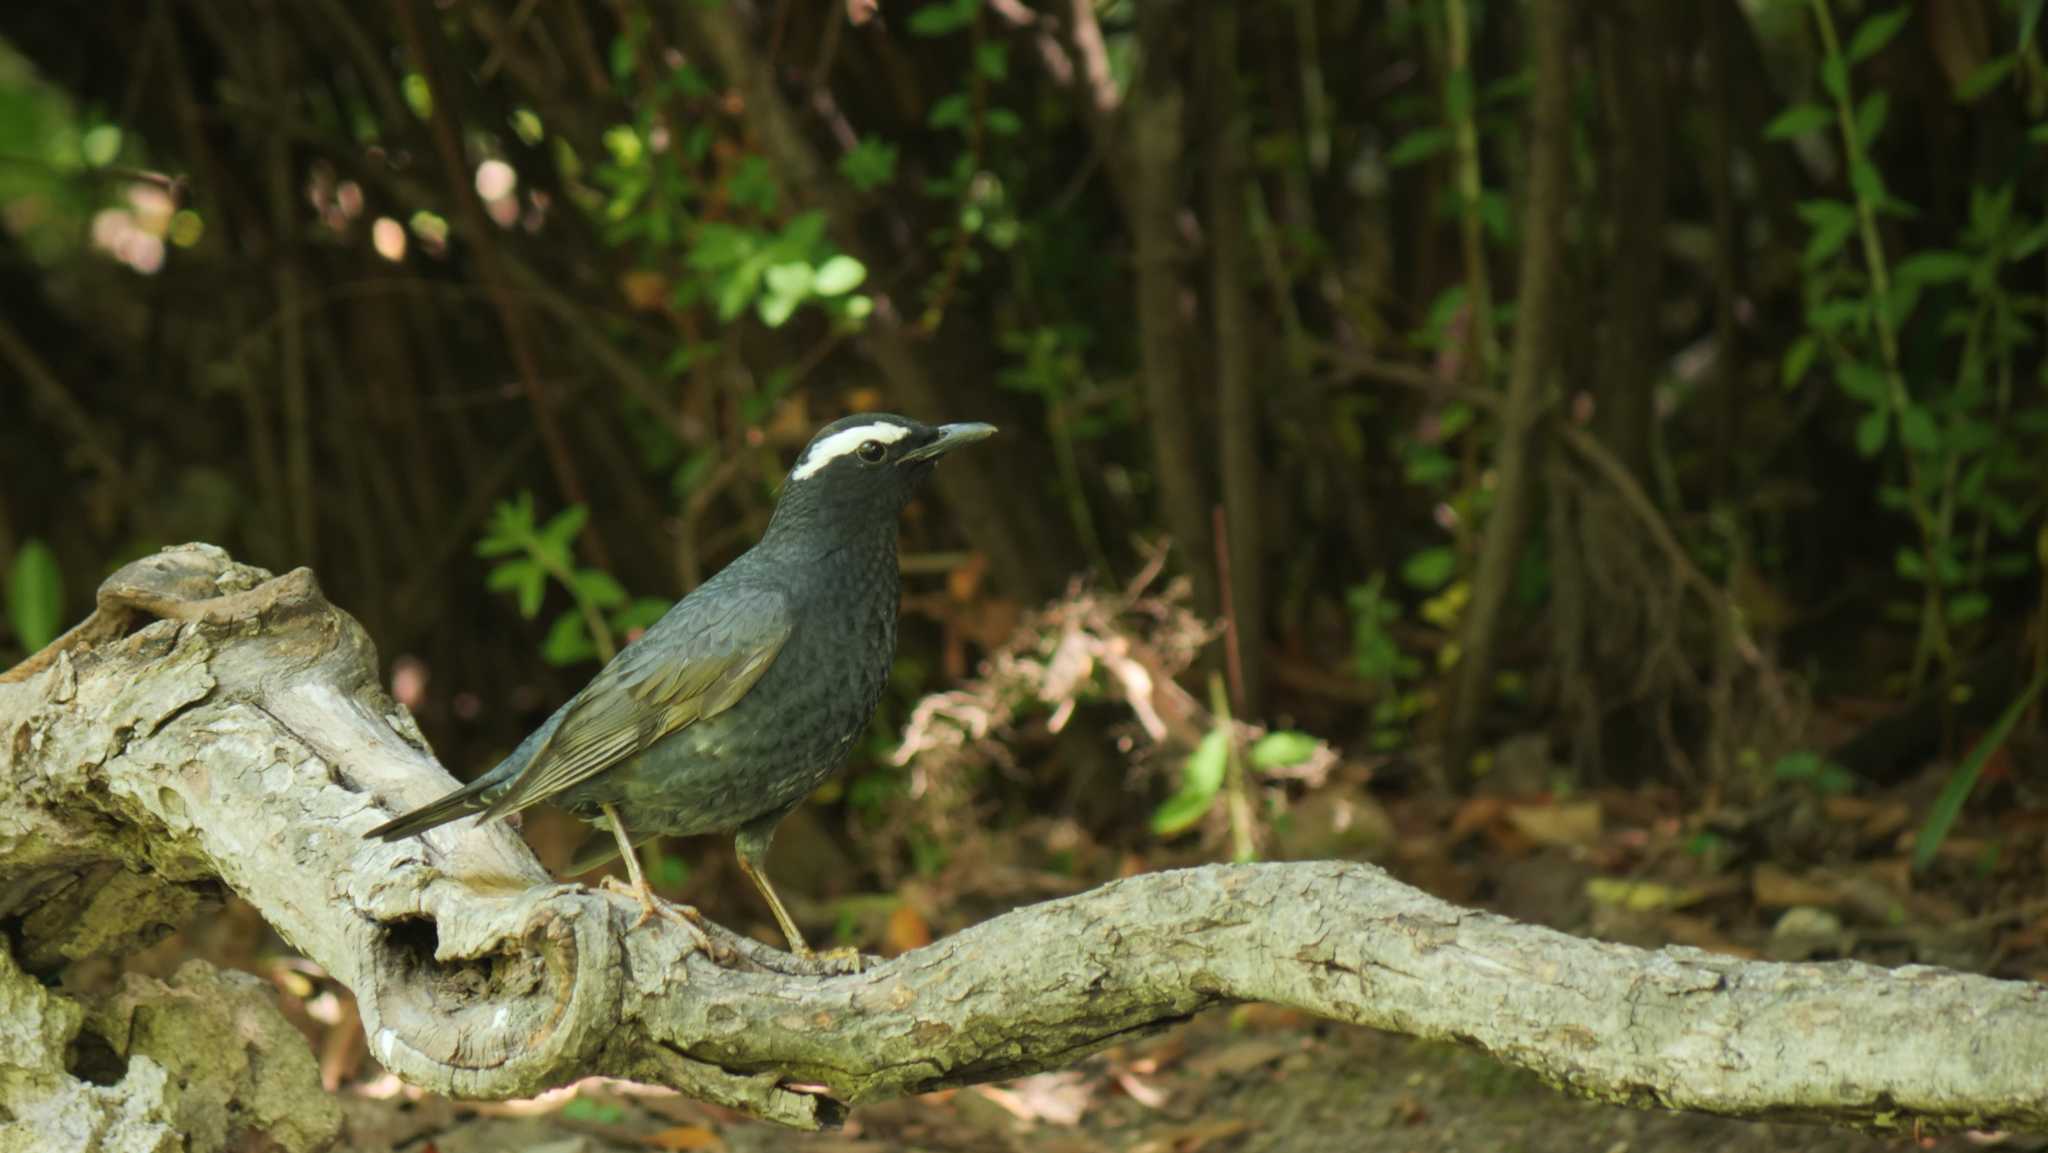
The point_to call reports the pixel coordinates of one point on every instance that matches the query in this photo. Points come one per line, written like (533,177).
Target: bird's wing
(695,663)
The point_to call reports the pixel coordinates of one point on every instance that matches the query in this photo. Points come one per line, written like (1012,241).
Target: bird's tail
(463,801)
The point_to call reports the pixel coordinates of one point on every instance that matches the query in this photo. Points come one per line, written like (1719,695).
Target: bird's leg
(650,905)
(751,847)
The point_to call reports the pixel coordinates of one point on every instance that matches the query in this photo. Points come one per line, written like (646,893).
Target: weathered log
(241,737)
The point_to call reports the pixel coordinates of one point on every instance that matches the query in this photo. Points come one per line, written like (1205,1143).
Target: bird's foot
(652,906)
(833,962)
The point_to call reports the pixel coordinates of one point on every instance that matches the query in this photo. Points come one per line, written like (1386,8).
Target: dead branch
(242,738)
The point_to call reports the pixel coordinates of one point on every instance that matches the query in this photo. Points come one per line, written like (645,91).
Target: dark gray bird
(747,695)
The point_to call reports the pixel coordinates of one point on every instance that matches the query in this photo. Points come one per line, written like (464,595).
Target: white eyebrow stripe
(844,441)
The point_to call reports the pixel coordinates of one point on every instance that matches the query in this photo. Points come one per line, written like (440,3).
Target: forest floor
(1819,874)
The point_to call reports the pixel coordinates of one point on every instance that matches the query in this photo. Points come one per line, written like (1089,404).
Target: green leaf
(869,164)
(1870,117)
(1986,77)
(1834,77)
(1458,95)
(1418,146)
(1876,32)
(788,286)
(525,579)
(1871,432)
(1861,381)
(943,18)
(992,59)
(719,245)
(752,185)
(508,575)
(1910,565)
(792,279)
(1964,779)
(1821,212)
(1003,122)
(1799,120)
(1827,239)
(1799,767)
(35,595)
(1868,182)
(1428,466)
(1200,778)
(737,288)
(555,539)
(1935,266)
(1967,607)
(1798,359)
(600,589)
(775,310)
(511,527)
(1455,418)
(568,641)
(838,276)
(1278,750)
(1429,569)
(1918,432)
(950,111)
(593,1112)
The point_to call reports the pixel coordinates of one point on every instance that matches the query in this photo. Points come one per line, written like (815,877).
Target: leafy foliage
(529,556)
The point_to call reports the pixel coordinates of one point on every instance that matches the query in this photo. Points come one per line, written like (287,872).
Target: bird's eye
(872,451)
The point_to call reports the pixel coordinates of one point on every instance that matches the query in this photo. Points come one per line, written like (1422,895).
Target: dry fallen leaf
(907,930)
(1192,1138)
(644,291)
(1701,933)
(1240,1056)
(1566,825)
(1148,1095)
(688,1137)
(1772,887)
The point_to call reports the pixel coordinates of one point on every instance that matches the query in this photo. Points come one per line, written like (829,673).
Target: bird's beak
(951,436)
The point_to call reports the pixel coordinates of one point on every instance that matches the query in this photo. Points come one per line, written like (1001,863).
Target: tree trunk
(1536,321)
(1632,51)
(1156,113)
(1237,410)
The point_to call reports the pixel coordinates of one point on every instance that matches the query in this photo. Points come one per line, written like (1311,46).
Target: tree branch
(243,736)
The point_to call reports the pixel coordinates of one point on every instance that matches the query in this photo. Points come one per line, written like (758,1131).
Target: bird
(751,690)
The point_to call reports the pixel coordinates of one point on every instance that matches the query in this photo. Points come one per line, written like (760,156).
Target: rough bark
(1535,346)
(240,736)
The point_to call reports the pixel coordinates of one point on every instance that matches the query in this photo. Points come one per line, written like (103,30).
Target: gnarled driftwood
(214,725)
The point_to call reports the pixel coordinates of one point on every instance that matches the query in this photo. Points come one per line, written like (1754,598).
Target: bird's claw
(843,961)
(652,906)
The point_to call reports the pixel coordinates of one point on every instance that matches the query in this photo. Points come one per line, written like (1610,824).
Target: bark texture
(239,736)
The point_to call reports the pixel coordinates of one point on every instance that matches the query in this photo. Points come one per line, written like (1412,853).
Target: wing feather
(650,691)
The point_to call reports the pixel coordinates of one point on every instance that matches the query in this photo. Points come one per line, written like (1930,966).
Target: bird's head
(866,466)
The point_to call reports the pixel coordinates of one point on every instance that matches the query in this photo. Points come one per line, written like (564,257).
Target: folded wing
(695,663)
